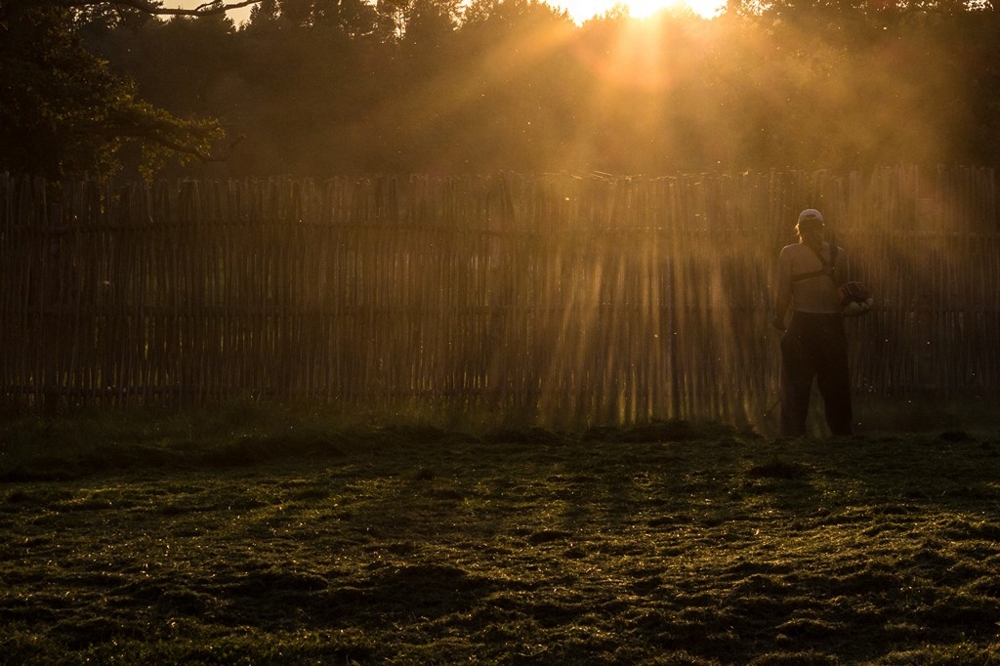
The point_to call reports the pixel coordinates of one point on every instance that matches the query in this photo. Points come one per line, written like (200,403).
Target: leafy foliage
(316,87)
(71,113)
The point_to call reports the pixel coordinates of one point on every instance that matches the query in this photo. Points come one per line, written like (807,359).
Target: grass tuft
(264,534)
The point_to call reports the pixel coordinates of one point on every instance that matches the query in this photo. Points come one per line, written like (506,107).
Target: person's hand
(778,323)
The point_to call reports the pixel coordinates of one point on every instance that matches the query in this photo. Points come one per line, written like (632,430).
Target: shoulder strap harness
(828,267)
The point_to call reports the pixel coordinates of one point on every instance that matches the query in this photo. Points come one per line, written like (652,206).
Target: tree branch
(147,6)
(206,9)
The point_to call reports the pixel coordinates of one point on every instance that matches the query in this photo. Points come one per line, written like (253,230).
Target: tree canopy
(324,87)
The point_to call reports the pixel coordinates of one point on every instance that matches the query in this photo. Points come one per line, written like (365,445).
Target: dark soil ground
(662,544)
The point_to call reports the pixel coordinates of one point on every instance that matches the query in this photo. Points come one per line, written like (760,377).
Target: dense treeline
(317,87)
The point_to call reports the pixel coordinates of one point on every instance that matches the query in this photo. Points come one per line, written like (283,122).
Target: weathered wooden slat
(569,300)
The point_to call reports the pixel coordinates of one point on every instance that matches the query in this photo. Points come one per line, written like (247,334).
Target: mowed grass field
(263,536)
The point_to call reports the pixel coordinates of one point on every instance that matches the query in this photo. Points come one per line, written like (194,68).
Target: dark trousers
(815,347)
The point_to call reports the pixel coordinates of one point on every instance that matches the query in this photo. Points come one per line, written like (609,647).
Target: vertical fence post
(555,298)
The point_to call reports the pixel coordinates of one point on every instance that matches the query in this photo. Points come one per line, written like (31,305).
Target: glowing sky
(580,10)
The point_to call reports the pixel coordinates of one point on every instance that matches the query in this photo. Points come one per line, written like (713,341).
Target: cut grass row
(257,536)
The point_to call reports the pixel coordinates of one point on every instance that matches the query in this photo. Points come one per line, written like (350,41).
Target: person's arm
(783,294)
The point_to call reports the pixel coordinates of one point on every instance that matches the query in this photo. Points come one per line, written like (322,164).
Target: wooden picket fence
(557,299)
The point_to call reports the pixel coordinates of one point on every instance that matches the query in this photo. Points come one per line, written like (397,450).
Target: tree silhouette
(67,112)
(323,87)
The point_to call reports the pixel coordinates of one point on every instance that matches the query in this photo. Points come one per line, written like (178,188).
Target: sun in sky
(580,10)
(583,10)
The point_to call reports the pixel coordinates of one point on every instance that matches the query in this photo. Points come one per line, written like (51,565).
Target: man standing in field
(814,346)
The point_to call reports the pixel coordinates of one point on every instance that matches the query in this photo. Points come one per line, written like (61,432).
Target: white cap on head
(809,215)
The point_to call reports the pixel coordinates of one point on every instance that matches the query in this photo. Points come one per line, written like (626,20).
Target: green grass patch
(264,535)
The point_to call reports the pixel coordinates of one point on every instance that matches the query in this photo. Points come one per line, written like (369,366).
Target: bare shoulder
(785,257)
